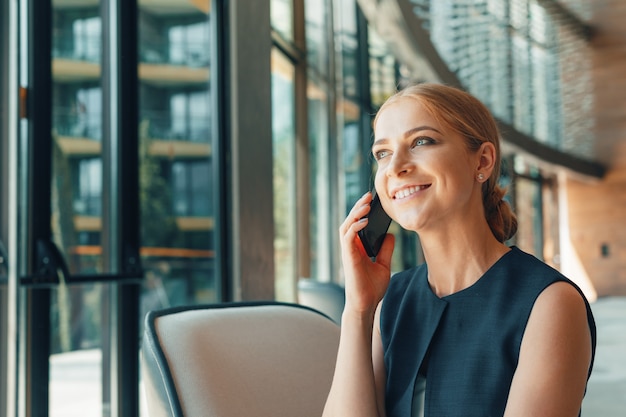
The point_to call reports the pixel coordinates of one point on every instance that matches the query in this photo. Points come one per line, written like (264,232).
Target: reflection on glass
(318,25)
(79,344)
(284,142)
(317,99)
(529,208)
(349,113)
(77,351)
(528,198)
(282,18)
(382,67)
(177,209)
(175,173)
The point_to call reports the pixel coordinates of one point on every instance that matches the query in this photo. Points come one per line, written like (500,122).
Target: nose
(401,163)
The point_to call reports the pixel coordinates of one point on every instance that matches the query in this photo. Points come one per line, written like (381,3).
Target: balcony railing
(167,126)
(78,125)
(88,48)
(161,125)
(84,48)
(184,54)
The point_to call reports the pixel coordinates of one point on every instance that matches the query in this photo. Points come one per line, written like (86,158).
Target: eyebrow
(406,134)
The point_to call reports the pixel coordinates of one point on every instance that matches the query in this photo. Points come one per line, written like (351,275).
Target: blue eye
(422,141)
(378,155)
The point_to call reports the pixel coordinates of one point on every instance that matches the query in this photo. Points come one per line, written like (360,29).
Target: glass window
(529,208)
(187,43)
(80,339)
(353,132)
(176,185)
(77,113)
(285,172)
(76,33)
(318,28)
(88,188)
(176,166)
(319,177)
(382,68)
(282,18)
(5,68)
(190,189)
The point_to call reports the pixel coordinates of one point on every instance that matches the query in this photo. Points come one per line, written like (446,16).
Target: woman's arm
(356,389)
(359,382)
(378,362)
(555,356)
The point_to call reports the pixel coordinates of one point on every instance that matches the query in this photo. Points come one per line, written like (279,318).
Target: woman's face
(426,176)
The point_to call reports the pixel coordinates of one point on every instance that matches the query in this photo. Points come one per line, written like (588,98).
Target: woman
(481,329)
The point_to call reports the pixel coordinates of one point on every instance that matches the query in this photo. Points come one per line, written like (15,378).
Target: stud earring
(481,176)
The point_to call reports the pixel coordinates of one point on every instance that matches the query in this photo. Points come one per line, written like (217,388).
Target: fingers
(349,229)
(360,209)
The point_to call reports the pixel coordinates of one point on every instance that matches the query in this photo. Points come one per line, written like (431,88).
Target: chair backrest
(235,360)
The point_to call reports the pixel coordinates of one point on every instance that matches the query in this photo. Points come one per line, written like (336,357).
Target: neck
(457,261)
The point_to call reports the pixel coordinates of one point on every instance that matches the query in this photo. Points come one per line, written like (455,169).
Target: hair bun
(500,217)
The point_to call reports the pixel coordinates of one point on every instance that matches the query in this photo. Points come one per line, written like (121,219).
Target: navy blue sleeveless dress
(467,344)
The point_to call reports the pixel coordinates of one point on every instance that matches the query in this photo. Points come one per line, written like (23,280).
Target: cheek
(379,181)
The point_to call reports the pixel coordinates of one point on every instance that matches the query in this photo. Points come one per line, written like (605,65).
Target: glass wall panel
(285,172)
(319,24)
(382,67)
(80,350)
(5,66)
(177,207)
(529,205)
(282,18)
(78,316)
(176,168)
(550,216)
(528,198)
(318,123)
(351,131)
(497,92)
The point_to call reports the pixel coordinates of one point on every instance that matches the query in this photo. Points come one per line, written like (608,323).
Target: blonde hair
(466,115)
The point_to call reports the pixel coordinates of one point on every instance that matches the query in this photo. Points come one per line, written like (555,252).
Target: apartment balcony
(79,136)
(152,6)
(184,64)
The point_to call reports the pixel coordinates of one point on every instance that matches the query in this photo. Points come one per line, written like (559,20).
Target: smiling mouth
(409,191)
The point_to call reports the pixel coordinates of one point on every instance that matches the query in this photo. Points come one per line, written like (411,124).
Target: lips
(407,191)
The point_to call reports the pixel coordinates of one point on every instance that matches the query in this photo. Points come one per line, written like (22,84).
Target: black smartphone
(373,234)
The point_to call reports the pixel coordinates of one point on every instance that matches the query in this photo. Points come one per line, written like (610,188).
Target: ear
(486,159)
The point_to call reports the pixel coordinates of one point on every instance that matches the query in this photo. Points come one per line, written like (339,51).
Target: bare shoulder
(555,356)
(561,308)
(558,323)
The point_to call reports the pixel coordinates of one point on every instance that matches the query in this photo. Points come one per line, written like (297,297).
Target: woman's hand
(365,281)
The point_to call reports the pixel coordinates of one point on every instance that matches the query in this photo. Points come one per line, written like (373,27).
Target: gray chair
(234,360)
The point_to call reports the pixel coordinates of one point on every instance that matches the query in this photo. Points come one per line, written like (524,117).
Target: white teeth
(406,192)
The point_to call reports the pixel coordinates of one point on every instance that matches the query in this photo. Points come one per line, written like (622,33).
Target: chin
(410,224)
